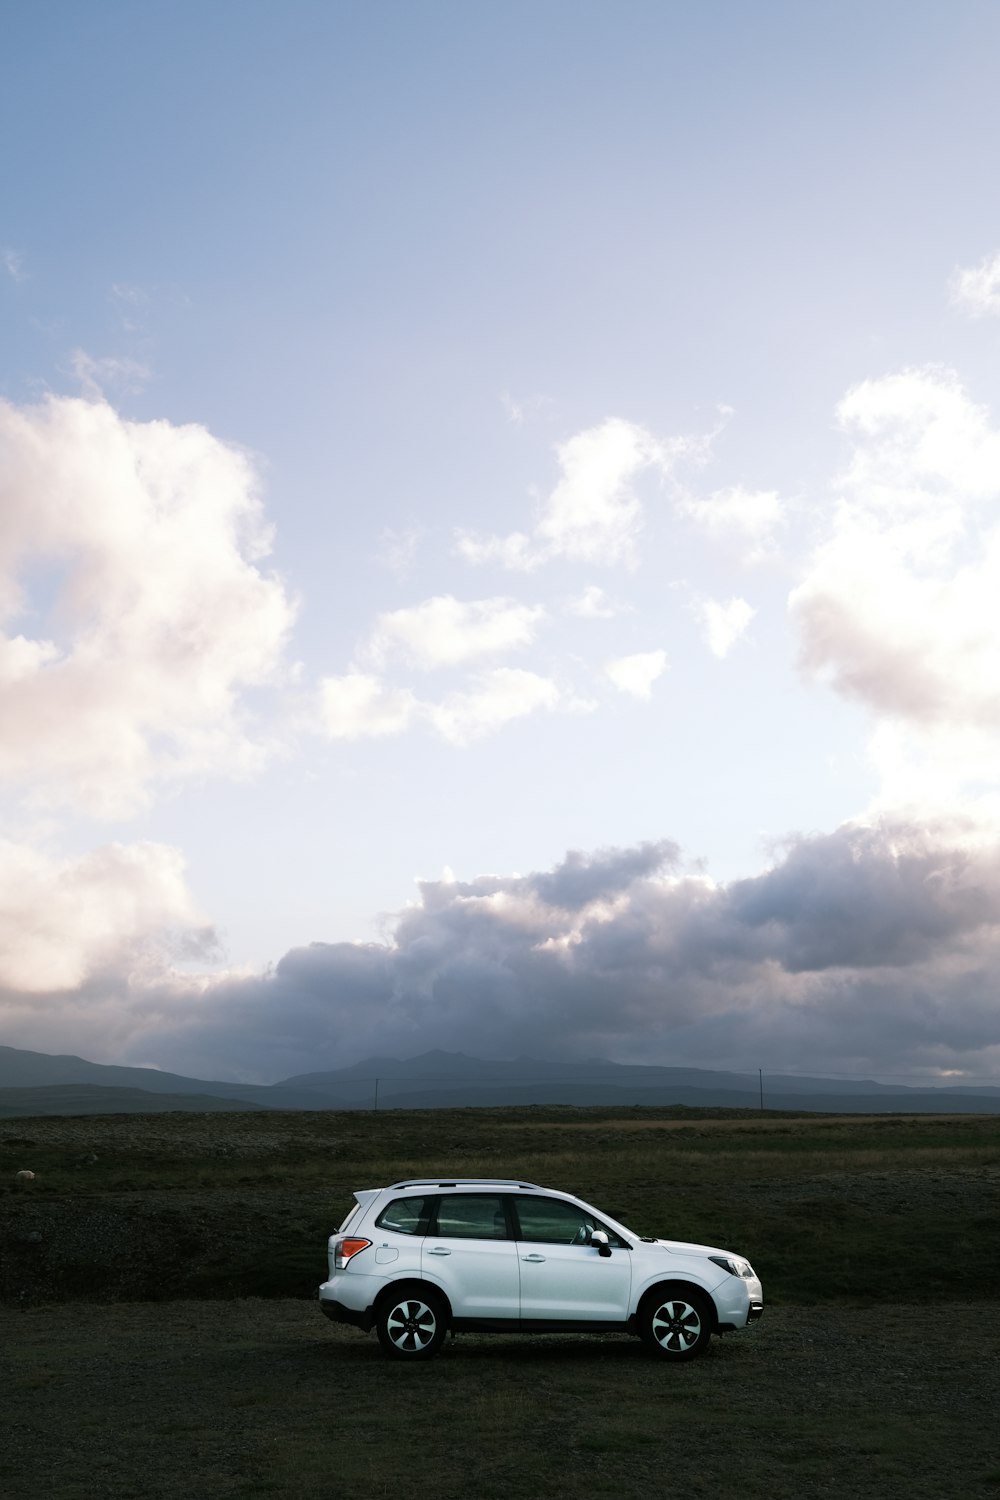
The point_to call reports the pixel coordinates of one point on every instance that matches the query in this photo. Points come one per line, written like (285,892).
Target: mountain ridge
(437,1079)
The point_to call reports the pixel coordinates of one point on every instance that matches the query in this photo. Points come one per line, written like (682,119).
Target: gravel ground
(254,1397)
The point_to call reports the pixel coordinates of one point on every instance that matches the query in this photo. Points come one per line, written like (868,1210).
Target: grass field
(874,1373)
(826,1207)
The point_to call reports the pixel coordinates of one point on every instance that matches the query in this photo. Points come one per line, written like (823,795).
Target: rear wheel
(411,1324)
(676,1323)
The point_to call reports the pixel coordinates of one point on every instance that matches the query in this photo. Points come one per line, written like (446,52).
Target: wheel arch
(679,1286)
(413,1286)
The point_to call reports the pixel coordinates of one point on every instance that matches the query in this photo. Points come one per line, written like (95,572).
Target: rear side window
(471,1216)
(404,1216)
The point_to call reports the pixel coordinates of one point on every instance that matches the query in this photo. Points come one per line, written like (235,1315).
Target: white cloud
(911,645)
(13,263)
(524,410)
(117,372)
(21,659)
(937,769)
(501,695)
(977,288)
(924,454)
(897,607)
(131,303)
(748,516)
(119,908)
(592,514)
(514,551)
(446,632)
(594,604)
(397,548)
(357,705)
(129,557)
(723,624)
(130,295)
(636,674)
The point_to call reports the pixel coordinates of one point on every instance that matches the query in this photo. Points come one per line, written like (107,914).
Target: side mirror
(600,1239)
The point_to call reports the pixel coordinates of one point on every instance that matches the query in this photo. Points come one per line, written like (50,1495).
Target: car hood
(684,1247)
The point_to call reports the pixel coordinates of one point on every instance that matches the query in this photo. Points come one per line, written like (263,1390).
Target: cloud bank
(870,949)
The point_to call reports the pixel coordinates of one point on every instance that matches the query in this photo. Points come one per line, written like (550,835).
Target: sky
(500,533)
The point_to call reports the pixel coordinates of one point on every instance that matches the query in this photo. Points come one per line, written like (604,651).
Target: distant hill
(37,1083)
(30,1070)
(91,1099)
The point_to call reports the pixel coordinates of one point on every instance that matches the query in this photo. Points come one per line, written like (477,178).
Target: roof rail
(463,1182)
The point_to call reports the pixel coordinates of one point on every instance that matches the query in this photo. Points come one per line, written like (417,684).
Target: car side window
(404,1216)
(471,1216)
(552,1221)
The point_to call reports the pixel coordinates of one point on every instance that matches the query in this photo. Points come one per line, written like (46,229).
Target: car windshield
(622,1228)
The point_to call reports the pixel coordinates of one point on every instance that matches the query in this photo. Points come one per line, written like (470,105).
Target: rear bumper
(338,1313)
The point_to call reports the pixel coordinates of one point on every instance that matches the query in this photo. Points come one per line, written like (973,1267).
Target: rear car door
(564,1279)
(470,1253)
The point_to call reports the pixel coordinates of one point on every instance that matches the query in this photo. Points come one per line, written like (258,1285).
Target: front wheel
(411,1325)
(676,1325)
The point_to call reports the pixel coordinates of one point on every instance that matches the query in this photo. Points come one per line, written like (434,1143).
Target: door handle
(439,1250)
(533,1258)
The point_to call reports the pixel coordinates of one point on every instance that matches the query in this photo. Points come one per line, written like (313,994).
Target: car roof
(450,1182)
(367,1196)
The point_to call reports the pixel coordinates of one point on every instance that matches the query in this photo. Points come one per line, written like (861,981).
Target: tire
(676,1323)
(411,1324)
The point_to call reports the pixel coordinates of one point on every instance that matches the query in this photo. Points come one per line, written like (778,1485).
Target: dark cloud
(869,949)
(868,898)
(582,878)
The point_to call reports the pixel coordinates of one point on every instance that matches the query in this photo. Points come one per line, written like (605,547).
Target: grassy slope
(827,1208)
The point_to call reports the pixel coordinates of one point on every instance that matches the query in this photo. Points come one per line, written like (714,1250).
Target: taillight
(345,1250)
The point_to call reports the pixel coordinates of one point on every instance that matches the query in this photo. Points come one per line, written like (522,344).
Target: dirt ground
(256,1397)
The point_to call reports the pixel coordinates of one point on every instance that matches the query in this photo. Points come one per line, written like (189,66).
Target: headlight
(734,1265)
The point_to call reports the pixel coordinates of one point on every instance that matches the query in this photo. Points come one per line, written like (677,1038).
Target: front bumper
(738,1301)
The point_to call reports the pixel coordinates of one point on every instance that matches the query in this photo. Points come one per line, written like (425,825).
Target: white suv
(421,1257)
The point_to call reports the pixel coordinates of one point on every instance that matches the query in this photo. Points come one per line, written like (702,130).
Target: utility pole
(376,1093)
(760,1074)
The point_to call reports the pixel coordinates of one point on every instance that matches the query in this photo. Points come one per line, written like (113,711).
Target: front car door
(564,1279)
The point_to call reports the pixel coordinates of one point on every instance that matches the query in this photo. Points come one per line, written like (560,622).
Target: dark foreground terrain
(264,1398)
(159,1338)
